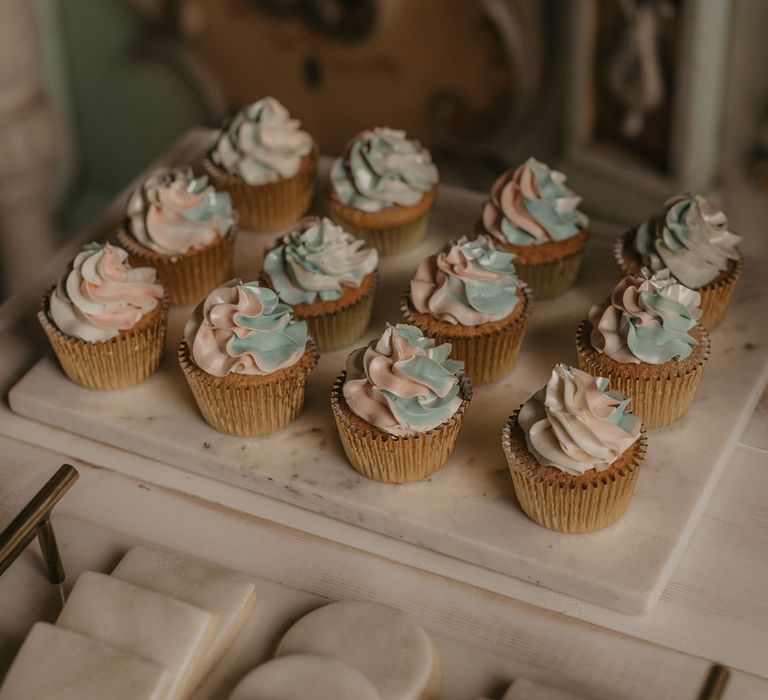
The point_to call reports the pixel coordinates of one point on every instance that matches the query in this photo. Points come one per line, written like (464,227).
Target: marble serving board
(467,509)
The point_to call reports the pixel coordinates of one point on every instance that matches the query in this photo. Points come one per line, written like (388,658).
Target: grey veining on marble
(467,509)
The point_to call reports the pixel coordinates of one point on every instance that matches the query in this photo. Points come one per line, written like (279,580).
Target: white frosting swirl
(575,425)
(382,168)
(402,383)
(262,143)
(102,294)
(172,211)
(691,238)
(468,283)
(316,260)
(647,319)
(244,329)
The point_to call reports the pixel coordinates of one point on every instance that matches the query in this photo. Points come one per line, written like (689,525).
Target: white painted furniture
(467,509)
(713,608)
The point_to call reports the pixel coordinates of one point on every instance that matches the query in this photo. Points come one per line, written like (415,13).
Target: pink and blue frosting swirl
(647,318)
(532,205)
(243,328)
(691,238)
(403,383)
(468,283)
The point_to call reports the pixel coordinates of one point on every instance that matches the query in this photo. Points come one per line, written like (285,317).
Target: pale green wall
(123,108)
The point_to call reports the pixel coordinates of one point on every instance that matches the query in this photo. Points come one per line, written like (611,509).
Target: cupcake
(382,189)
(105,320)
(690,237)
(246,360)
(185,229)
(399,406)
(532,214)
(574,452)
(645,338)
(268,165)
(468,295)
(329,278)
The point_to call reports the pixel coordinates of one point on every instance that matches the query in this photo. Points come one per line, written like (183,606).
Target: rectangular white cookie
(158,627)
(194,581)
(57,664)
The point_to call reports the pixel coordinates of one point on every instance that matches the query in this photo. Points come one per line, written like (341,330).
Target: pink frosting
(217,323)
(172,212)
(376,369)
(103,294)
(431,292)
(574,424)
(610,321)
(506,200)
(170,228)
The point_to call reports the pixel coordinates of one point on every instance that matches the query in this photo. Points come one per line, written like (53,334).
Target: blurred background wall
(634,99)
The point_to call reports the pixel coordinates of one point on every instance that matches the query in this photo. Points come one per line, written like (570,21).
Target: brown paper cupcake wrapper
(392,230)
(661,394)
(550,279)
(340,328)
(570,504)
(273,206)
(391,459)
(390,240)
(487,356)
(247,406)
(126,360)
(189,277)
(715,296)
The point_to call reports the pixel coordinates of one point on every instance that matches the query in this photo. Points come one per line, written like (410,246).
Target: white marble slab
(467,509)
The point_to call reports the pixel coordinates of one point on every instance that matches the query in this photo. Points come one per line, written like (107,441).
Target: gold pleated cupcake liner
(570,504)
(390,240)
(662,394)
(187,277)
(273,206)
(550,279)
(245,405)
(715,296)
(391,459)
(488,355)
(128,359)
(342,327)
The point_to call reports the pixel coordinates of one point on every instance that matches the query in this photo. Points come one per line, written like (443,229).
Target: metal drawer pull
(35,521)
(714,684)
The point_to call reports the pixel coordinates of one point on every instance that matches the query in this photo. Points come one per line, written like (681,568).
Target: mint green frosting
(433,370)
(315,260)
(647,319)
(669,339)
(402,383)
(383,168)
(243,328)
(555,208)
(468,283)
(277,339)
(498,297)
(691,238)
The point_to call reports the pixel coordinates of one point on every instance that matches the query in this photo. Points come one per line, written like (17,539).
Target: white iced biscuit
(58,664)
(160,628)
(205,585)
(394,653)
(523,689)
(302,676)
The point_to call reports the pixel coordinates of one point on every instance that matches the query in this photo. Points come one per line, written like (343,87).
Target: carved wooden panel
(447,71)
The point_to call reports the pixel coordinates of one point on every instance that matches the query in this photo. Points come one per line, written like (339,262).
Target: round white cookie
(302,676)
(384,644)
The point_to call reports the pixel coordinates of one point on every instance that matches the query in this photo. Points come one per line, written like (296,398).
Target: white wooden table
(714,608)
